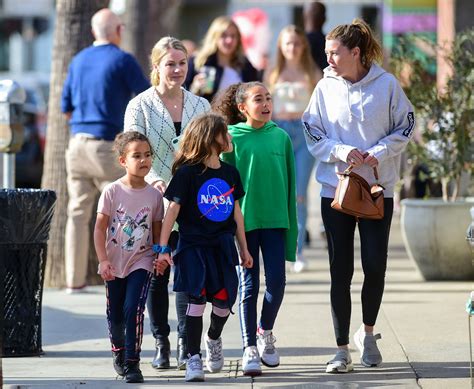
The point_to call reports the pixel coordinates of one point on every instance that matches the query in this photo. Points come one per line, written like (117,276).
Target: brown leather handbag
(356,197)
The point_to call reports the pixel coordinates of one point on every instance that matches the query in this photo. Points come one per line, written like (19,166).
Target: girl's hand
(246,259)
(371,160)
(106,270)
(162,262)
(160,185)
(355,158)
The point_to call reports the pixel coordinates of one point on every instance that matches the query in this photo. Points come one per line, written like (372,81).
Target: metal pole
(9,170)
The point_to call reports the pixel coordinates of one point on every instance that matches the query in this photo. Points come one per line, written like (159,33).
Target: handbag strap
(350,167)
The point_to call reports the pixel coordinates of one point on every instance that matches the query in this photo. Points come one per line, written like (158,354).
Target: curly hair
(225,103)
(123,139)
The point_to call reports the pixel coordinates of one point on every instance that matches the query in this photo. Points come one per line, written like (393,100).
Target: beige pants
(90,164)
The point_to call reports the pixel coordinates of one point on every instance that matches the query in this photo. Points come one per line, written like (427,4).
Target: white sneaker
(299,267)
(194,371)
(79,290)
(214,355)
(367,344)
(341,363)
(266,349)
(251,362)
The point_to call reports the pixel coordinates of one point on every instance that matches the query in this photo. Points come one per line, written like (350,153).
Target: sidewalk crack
(405,353)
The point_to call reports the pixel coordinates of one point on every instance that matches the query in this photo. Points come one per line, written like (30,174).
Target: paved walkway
(424,331)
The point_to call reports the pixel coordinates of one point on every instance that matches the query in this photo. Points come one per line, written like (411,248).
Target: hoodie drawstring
(348,100)
(360,103)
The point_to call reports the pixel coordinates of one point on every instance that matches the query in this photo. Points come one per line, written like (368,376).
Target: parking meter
(12,97)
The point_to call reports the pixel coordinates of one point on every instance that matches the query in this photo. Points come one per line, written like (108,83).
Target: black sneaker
(118,358)
(133,373)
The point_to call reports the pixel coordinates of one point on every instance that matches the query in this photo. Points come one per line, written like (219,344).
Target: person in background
(128,222)
(100,82)
(162,113)
(314,17)
(220,62)
(190,46)
(264,157)
(206,256)
(291,82)
(358,115)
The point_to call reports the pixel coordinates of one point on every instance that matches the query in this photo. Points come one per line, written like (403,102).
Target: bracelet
(157,249)
(165,250)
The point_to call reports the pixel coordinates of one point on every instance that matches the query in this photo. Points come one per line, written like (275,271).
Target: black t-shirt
(207,199)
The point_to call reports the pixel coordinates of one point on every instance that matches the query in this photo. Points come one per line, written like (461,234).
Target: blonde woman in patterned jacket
(162,113)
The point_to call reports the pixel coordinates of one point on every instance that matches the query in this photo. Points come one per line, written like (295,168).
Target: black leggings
(374,236)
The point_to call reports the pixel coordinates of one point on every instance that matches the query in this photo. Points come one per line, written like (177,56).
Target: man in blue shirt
(101,80)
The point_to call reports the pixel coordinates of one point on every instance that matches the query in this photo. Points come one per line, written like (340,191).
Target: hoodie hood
(244,127)
(375,72)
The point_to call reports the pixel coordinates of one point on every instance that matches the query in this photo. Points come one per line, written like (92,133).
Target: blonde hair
(358,34)
(306,61)
(159,51)
(200,140)
(209,45)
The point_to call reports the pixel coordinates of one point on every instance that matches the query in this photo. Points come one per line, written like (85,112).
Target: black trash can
(25,219)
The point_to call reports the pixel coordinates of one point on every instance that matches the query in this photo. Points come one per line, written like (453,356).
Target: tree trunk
(72,33)
(146,22)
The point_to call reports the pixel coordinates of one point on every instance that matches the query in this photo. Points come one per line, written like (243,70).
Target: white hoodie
(372,115)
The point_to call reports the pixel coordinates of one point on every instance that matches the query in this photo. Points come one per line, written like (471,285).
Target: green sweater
(265,160)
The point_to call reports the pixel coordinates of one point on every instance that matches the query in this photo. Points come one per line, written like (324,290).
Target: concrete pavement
(424,331)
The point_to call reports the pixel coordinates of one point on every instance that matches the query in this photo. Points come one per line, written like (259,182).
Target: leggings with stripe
(271,242)
(126,298)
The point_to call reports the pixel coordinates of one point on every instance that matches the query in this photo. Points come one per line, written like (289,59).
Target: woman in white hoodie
(358,115)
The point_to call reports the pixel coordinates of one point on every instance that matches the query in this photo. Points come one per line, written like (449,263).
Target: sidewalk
(424,331)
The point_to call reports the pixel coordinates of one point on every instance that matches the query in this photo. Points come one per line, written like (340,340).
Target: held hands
(106,270)
(162,262)
(356,159)
(246,259)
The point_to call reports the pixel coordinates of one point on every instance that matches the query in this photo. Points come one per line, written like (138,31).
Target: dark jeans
(158,306)
(158,302)
(125,307)
(272,244)
(374,234)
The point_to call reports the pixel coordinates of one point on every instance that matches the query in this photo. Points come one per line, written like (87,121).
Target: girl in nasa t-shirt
(204,198)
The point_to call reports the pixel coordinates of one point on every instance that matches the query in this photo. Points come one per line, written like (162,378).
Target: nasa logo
(215,200)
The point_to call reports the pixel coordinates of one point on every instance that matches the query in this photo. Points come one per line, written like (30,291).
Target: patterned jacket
(147,114)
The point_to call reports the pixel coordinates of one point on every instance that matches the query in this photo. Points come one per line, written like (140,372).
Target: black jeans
(374,235)
(158,306)
(158,302)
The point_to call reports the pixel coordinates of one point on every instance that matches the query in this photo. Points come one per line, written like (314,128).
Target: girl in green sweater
(263,154)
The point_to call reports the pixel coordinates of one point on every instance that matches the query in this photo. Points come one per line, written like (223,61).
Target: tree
(146,22)
(72,33)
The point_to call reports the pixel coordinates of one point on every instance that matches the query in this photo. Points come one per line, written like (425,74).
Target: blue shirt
(100,82)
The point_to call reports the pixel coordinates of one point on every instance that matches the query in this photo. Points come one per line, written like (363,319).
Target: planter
(434,233)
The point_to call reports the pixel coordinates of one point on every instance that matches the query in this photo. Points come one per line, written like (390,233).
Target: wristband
(157,249)
(165,250)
